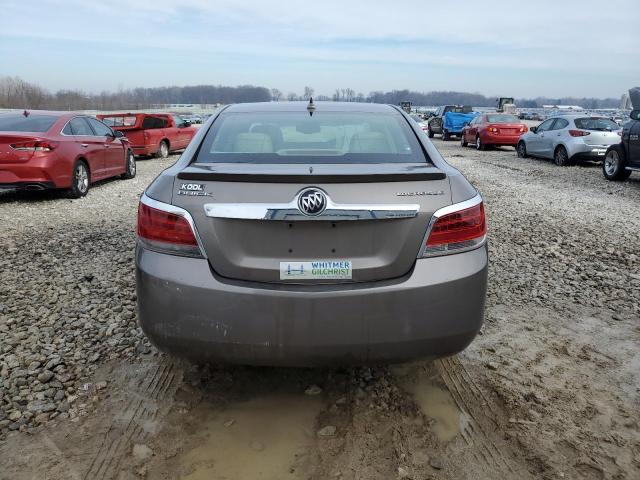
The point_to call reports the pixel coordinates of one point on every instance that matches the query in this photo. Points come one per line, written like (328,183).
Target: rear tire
(445,135)
(130,167)
(479,145)
(429,133)
(80,180)
(561,157)
(163,149)
(463,142)
(521,149)
(613,166)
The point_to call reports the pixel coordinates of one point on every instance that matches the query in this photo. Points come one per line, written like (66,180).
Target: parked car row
(563,138)
(61,150)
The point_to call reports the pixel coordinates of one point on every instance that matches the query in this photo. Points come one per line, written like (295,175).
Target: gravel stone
(67,276)
(328,431)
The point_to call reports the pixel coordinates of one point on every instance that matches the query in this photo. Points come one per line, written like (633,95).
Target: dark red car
(41,150)
(493,130)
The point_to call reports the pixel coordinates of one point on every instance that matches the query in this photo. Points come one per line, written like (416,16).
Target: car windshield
(598,124)
(326,137)
(502,119)
(22,123)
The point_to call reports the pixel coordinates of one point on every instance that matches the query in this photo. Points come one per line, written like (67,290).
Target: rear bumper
(582,150)
(23,175)
(27,186)
(435,310)
(500,140)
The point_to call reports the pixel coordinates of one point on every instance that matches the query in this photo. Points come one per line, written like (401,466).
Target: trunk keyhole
(333,250)
(290,250)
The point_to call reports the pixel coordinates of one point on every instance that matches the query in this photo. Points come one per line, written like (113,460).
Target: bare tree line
(18,93)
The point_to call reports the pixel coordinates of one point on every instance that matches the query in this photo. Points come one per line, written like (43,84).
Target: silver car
(307,234)
(567,138)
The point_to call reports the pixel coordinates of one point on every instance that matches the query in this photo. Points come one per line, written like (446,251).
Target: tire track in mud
(479,431)
(147,398)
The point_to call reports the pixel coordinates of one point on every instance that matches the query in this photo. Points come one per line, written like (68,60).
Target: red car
(152,133)
(41,150)
(493,130)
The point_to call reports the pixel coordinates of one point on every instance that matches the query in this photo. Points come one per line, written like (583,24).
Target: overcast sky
(524,49)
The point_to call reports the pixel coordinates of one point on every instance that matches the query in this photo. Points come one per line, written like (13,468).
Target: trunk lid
(596,137)
(507,128)
(10,155)
(376,220)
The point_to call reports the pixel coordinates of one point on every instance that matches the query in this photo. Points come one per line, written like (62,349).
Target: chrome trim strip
(167,207)
(472,202)
(290,212)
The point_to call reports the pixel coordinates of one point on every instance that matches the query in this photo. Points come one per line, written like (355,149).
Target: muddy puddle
(432,396)
(266,438)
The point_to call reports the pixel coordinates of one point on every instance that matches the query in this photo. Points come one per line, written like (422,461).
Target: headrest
(253,143)
(369,142)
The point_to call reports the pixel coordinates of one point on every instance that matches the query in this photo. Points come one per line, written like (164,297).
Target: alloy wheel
(82,178)
(164,150)
(132,164)
(611,163)
(561,157)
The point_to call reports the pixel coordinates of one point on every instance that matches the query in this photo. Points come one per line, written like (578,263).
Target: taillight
(524,129)
(34,146)
(578,133)
(166,228)
(456,228)
(492,129)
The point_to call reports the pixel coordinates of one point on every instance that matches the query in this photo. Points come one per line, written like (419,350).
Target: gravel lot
(551,389)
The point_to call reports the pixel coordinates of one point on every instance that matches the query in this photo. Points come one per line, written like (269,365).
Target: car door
(634,144)
(90,146)
(114,159)
(535,144)
(182,134)
(554,137)
(476,125)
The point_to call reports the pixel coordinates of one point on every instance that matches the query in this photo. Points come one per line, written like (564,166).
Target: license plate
(316,270)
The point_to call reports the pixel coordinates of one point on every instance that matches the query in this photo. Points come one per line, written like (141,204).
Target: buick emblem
(312,201)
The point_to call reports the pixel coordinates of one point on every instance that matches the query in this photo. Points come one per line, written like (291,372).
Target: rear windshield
(326,137)
(502,119)
(601,124)
(120,121)
(31,123)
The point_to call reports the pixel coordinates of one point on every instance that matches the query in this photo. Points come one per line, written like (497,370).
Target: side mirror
(184,124)
(533,129)
(465,124)
(635,114)
(118,134)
